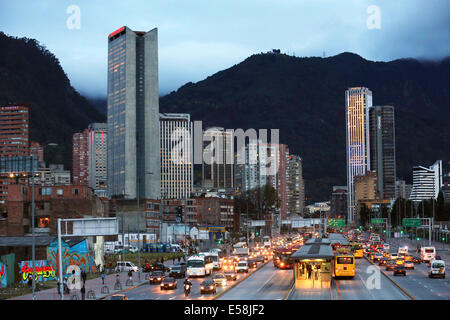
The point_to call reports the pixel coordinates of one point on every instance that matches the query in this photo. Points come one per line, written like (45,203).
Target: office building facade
(426,182)
(382,149)
(295,186)
(176,156)
(358,100)
(133,114)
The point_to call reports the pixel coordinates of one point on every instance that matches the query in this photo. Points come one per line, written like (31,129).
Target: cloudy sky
(200,37)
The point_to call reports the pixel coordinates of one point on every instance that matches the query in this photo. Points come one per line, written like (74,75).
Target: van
(427,253)
(437,269)
(126,266)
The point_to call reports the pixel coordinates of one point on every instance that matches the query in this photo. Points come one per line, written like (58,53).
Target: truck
(241,253)
(427,254)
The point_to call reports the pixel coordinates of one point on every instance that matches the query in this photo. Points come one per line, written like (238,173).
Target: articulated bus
(199,266)
(281,258)
(344,265)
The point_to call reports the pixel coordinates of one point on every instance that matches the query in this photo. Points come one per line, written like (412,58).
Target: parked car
(178,271)
(156,277)
(168,283)
(208,286)
(126,266)
(399,269)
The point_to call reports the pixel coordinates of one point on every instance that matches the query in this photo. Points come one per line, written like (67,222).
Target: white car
(126,266)
(220,279)
(242,266)
(437,269)
(386,246)
(394,256)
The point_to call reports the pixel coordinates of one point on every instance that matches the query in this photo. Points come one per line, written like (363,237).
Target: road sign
(336,222)
(377,221)
(258,223)
(410,222)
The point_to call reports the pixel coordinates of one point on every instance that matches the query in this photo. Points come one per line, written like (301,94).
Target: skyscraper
(80,158)
(97,155)
(248,164)
(382,149)
(426,182)
(295,186)
(37,150)
(133,114)
(218,171)
(176,156)
(358,100)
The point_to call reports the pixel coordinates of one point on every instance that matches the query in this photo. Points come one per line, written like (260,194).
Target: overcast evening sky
(198,38)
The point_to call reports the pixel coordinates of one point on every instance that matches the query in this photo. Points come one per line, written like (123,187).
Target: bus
(281,258)
(217,262)
(199,266)
(344,265)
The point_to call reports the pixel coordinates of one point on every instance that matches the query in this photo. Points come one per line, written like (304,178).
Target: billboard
(377,221)
(258,223)
(95,227)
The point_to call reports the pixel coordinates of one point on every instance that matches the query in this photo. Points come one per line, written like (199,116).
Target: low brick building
(51,203)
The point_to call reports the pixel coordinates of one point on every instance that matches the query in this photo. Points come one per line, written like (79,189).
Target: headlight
(159,278)
(211,287)
(202,288)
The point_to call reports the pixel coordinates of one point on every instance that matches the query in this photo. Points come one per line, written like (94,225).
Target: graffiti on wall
(3,274)
(42,271)
(77,255)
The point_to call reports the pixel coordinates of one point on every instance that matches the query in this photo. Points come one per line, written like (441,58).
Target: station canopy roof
(314,249)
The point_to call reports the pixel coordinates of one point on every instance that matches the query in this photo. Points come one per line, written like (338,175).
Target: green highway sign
(336,222)
(410,222)
(377,221)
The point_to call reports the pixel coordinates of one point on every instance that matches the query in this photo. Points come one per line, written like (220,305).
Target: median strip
(239,281)
(395,283)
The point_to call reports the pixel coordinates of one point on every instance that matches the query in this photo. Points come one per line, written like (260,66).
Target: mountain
(304,98)
(31,75)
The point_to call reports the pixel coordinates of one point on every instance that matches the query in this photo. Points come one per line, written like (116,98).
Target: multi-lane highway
(371,282)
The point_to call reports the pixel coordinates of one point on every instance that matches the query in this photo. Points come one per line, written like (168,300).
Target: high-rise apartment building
(358,100)
(133,114)
(218,164)
(97,156)
(426,182)
(176,156)
(80,158)
(382,149)
(14,131)
(248,168)
(295,186)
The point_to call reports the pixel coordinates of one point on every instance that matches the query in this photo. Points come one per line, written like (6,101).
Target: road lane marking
(338,289)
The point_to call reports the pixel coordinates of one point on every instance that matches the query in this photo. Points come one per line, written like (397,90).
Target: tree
(364,214)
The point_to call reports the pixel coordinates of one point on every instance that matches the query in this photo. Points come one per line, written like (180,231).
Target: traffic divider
(239,281)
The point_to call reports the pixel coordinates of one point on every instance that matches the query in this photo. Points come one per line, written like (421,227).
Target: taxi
(399,261)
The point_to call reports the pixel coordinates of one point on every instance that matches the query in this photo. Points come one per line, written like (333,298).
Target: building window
(75,191)
(59,192)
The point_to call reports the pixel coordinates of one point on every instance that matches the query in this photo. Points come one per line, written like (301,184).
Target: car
(242,266)
(252,263)
(126,266)
(437,269)
(178,271)
(208,286)
(169,283)
(220,279)
(231,275)
(377,256)
(119,297)
(399,269)
(408,257)
(156,277)
(417,259)
(158,266)
(394,255)
(382,262)
(409,264)
(400,261)
(261,258)
(390,265)
(386,246)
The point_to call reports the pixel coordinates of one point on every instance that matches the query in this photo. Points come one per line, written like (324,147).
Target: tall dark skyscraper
(133,114)
(382,149)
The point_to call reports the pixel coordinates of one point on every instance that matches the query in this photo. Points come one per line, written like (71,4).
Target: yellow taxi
(399,261)
(408,257)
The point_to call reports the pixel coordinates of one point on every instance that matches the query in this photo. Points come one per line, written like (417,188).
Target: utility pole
(33,244)
(139,233)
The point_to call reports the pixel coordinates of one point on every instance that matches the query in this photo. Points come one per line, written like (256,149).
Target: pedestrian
(103,276)
(30,279)
(173,260)
(309,268)
(130,275)
(117,278)
(84,277)
(83,293)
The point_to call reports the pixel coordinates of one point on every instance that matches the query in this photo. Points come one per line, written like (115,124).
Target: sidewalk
(95,285)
